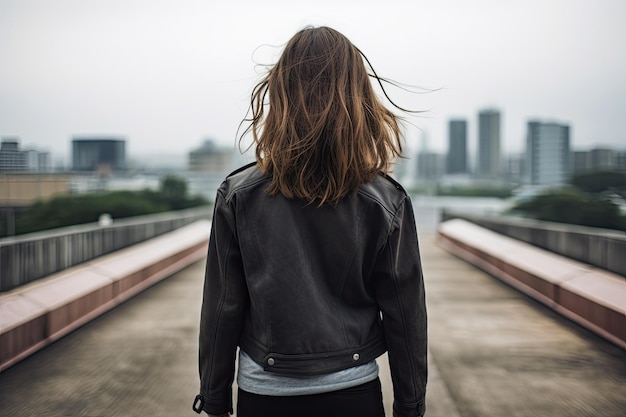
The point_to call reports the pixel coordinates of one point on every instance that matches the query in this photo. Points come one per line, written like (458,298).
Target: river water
(428,208)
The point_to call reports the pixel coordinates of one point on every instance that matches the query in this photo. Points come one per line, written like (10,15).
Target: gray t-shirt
(254,379)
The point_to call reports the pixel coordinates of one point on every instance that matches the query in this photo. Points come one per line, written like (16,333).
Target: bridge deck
(493,351)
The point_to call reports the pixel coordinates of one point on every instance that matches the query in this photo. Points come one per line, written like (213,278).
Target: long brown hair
(320,130)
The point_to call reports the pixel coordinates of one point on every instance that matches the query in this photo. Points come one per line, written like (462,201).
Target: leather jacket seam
(377,201)
(393,225)
(344,279)
(242,187)
(220,309)
(403,314)
(255,243)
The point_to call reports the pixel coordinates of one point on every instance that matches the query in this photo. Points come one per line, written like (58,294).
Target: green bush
(597,182)
(574,207)
(87,208)
(475,192)
(174,188)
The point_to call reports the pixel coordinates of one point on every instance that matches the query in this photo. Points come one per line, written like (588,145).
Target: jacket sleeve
(224,305)
(400,296)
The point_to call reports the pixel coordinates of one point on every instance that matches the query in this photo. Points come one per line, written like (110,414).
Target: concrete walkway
(494,352)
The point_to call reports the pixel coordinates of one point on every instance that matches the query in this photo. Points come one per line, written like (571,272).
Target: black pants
(363,401)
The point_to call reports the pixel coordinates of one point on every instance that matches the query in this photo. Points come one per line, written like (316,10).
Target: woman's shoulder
(385,191)
(241,178)
(244,172)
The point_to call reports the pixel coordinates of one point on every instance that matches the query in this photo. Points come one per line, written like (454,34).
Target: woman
(313,267)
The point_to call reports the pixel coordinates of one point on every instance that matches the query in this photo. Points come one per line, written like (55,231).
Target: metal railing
(603,248)
(28,257)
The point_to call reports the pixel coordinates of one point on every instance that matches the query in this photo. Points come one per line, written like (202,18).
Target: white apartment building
(547,153)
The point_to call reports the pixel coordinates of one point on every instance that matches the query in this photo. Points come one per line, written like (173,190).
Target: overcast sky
(169,74)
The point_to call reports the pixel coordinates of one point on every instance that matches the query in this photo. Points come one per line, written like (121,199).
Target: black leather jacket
(308,290)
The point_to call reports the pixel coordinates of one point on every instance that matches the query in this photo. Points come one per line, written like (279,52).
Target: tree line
(71,210)
(593,199)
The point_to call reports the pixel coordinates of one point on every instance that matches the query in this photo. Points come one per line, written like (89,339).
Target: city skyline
(161,73)
(548,161)
(160,159)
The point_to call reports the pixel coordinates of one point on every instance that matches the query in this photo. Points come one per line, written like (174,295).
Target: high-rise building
(207,167)
(547,153)
(488,156)
(103,155)
(430,165)
(514,168)
(580,161)
(456,161)
(603,159)
(620,160)
(211,158)
(14,159)
(597,159)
